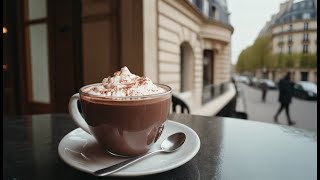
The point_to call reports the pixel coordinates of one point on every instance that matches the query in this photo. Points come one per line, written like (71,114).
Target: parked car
(305,90)
(269,82)
(254,81)
(243,79)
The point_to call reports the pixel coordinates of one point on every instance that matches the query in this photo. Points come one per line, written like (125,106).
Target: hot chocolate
(126,113)
(126,127)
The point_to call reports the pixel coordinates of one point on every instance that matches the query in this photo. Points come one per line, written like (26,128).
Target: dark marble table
(230,149)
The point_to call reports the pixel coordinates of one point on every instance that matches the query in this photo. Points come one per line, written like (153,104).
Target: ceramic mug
(124,126)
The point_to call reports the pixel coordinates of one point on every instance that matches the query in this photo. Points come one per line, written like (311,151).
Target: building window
(281,48)
(290,27)
(281,28)
(186,66)
(289,49)
(37,42)
(306,16)
(305,48)
(305,37)
(290,38)
(199,4)
(306,26)
(294,7)
(280,43)
(213,12)
(304,76)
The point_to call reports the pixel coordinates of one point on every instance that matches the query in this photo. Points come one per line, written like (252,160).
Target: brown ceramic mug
(124,126)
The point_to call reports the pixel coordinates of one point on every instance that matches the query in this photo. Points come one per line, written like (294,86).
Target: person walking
(235,85)
(285,96)
(264,89)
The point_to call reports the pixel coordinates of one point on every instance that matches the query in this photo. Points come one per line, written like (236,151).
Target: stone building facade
(193,47)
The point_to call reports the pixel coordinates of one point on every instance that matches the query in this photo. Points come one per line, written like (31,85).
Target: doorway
(207,89)
(304,76)
(207,67)
(186,66)
(49,56)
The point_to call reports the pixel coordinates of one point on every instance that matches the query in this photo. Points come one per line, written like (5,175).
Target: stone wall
(179,23)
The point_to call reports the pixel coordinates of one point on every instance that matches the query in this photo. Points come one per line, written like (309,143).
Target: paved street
(302,111)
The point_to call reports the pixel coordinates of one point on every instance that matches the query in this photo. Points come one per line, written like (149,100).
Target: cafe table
(229,149)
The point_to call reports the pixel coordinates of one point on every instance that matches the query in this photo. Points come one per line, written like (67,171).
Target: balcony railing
(305,41)
(211,91)
(293,31)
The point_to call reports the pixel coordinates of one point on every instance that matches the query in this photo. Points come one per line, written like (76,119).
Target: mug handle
(75,114)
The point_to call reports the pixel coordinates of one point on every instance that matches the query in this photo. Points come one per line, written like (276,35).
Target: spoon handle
(121,165)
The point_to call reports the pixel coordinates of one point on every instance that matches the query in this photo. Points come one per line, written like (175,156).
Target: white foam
(123,83)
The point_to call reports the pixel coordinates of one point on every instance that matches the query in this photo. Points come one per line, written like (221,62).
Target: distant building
(294,30)
(267,29)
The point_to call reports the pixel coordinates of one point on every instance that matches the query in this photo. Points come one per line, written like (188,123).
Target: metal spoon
(170,144)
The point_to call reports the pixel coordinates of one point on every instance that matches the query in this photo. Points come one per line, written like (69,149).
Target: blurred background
(211,52)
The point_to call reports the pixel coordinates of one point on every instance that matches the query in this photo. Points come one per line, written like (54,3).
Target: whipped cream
(123,83)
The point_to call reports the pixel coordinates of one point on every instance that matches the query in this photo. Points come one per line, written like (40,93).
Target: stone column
(258,74)
(311,76)
(270,75)
(297,75)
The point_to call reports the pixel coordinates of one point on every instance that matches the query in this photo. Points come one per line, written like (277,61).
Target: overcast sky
(248,17)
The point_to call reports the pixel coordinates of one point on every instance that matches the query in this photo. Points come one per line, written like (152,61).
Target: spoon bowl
(173,142)
(170,144)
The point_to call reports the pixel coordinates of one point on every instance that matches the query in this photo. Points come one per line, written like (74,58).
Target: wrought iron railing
(211,91)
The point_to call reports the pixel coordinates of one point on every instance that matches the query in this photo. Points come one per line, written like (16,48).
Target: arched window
(186,67)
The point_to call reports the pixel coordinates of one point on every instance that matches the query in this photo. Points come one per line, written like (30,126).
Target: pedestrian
(235,85)
(264,89)
(285,96)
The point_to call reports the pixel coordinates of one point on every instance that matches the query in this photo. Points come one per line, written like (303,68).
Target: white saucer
(81,151)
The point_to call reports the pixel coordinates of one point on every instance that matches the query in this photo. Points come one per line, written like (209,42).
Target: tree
(262,51)
(308,61)
(240,67)
(256,56)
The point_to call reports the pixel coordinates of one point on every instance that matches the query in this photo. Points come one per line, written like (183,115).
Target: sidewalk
(241,105)
(304,112)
